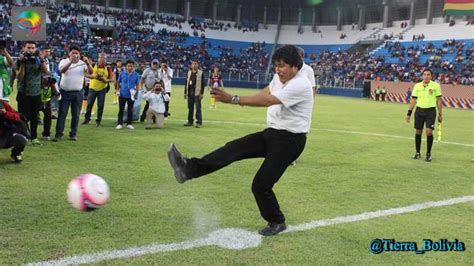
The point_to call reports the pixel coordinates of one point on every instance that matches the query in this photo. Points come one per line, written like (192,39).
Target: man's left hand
(221,95)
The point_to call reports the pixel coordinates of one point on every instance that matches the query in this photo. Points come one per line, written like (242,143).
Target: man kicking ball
(290,104)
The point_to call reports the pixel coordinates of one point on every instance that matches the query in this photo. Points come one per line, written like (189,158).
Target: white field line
(324,129)
(234,238)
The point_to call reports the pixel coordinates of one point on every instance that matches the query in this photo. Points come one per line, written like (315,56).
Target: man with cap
(150,76)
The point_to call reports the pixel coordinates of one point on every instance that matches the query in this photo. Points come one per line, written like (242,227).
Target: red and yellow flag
(459,7)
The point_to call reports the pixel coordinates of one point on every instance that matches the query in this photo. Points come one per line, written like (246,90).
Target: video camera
(29,57)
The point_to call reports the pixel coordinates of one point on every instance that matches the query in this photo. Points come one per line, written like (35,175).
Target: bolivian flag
(459,7)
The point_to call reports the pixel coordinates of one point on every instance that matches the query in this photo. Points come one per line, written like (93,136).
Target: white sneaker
(118,127)
(130,127)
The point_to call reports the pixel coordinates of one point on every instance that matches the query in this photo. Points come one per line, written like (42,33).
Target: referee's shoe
(179,163)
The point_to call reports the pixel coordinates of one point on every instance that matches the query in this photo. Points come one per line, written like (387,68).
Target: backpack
(20,127)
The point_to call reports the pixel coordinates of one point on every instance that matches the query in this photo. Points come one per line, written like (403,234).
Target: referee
(289,99)
(426,96)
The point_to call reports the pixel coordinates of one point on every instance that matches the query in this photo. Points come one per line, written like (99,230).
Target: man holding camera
(166,76)
(157,99)
(6,61)
(73,71)
(150,76)
(100,78)
(49,90)
(30,69)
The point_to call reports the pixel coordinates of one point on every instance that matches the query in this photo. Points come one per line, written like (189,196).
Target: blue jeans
(73,99)
(100,95)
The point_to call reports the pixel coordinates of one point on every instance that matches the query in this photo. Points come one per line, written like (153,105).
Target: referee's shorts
(425,115)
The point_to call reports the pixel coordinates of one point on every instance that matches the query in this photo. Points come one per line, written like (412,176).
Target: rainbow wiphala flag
(459,8)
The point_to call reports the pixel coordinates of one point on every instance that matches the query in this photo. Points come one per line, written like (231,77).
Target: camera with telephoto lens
(29,57)
(49,81)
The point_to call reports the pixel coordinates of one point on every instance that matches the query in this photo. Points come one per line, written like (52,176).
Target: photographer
(49,93)
(100,78)
(10,136)
(30,67)
(6,61)
(157,99)
(73,71)
(166,76)
(149,77)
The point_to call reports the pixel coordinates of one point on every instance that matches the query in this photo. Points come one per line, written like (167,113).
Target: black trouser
(15,140)
(122,102)
(47,118)
(278,147)
(191,101)
(145,109)
(167,105)
(29,106)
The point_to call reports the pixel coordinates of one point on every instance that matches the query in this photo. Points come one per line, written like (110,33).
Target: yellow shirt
(96,84)
(426,96)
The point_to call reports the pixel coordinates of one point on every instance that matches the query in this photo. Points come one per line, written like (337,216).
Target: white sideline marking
(322,129)
(236,239)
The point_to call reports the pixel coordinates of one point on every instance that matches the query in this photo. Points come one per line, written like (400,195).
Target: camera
(48,81)
(3,43)
(29,57)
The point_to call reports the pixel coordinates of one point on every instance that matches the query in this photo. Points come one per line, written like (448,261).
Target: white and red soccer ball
(87,192)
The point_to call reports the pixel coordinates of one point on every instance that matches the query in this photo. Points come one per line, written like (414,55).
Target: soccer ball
(87,192)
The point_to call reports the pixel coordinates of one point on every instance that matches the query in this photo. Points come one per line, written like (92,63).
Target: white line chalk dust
(238,239)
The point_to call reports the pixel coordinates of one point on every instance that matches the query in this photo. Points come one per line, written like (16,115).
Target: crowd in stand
(342,68)
(136,39)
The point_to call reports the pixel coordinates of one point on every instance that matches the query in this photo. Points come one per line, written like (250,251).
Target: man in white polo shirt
(73,71)
(289,99)
(166,76)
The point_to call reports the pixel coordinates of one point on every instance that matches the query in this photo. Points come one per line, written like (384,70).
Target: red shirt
(11,115)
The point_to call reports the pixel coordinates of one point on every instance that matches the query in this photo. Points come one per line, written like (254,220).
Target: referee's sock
(429,140)
(418,142)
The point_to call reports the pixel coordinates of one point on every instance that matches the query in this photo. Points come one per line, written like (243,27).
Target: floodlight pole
(214,12)
(412,12)
(339,18)
(429,11)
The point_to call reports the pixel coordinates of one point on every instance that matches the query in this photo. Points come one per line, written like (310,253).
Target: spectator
(150,76)
(6,62)
(73,71)
(193,92)
(98,88)
(128,83)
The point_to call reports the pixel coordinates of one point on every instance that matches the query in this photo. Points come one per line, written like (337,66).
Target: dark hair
(29,42)
(74,47)
(118,60)
(288,54)
(159,82)
(427,69)
(163,61)
(130,61)
(46,47)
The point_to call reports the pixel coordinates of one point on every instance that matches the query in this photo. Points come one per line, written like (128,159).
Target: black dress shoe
(428,157)
(179,163)
(272,229)
(188,125)
(198,125)
(416,156)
